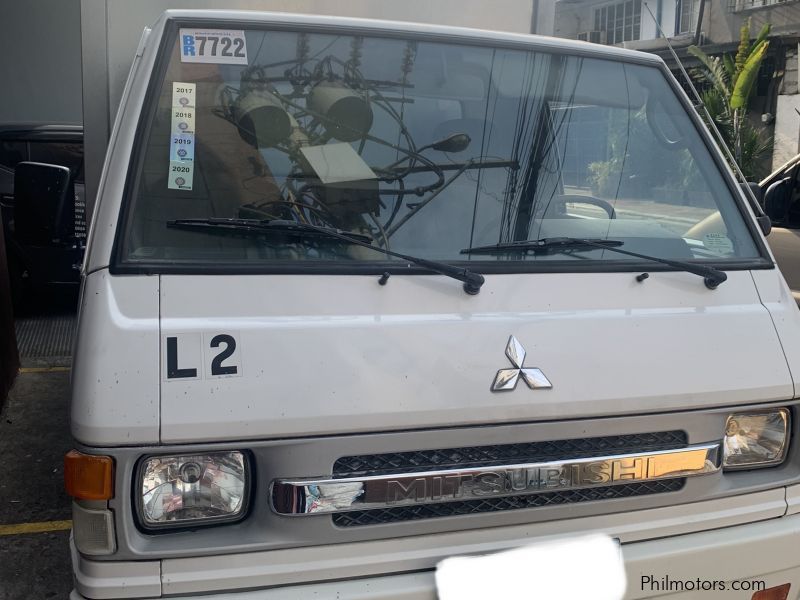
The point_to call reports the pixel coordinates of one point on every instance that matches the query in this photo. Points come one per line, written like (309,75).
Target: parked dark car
(42,263)
(782,204)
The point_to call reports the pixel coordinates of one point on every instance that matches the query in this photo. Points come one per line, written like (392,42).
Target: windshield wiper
(472,281)
(258,226)
(711,277)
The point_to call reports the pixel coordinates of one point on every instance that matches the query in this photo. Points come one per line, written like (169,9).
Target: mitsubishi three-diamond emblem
(506,379)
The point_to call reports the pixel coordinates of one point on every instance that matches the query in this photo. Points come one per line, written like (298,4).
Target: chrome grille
(475,456)
(469,507)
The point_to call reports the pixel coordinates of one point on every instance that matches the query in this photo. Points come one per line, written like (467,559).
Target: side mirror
(776,200)
(44,204)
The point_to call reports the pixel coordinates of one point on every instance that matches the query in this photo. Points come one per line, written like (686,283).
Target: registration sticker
(182,120)
(181,142)
(181,175)
(216,46)
(183,94)
(719,243)
(181,147)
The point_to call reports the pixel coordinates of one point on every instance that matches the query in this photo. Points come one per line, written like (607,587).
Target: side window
(11,153)
(67,154)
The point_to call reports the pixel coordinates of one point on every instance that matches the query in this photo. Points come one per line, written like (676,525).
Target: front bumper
(765,551)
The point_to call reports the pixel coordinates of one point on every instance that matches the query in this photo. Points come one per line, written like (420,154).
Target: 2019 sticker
(181,147)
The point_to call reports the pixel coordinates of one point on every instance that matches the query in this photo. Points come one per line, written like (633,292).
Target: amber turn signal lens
(779,592)
(88,476)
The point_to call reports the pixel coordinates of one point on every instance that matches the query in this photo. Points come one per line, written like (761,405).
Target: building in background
(714,26)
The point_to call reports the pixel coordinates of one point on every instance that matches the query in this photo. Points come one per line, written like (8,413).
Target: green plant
(732,79)
(603,177)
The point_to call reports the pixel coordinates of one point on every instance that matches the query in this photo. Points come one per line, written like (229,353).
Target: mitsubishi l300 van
(359,296)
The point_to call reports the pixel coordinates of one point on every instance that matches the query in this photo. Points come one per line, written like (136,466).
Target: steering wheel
(657,127)
(598,202)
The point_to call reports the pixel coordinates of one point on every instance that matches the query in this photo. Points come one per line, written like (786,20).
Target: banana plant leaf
(747,77)
(714,71)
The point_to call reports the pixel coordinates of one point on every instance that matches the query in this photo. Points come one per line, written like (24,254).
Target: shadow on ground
(34,435)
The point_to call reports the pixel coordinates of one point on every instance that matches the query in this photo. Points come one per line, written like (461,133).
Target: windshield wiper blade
(541,246)
(260,226)
(712,277)
(472,281)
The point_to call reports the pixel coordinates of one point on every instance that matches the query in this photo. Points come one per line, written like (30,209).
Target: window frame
(631,17)
(690,15)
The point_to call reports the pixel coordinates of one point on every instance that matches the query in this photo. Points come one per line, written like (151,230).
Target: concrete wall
(544,17)
(571,19)
(787,120)
(787,130)
(40,69)
(722,26)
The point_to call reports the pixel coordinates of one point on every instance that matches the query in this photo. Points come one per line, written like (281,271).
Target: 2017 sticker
(215,46)
(183,94)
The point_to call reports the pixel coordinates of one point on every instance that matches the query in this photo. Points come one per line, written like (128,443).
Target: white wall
(668,16)
(545,17)
(787,130)
(40,68)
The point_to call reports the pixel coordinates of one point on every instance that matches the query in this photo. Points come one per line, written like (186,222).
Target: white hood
(341,354)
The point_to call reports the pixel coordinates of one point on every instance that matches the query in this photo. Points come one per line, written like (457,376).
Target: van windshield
(426,148)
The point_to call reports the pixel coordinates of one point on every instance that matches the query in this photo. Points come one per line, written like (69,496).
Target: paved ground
(34,435)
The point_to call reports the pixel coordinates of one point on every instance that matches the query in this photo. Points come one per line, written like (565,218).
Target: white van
(359,296)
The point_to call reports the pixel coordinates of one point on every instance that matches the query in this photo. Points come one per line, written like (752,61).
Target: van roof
(448,33)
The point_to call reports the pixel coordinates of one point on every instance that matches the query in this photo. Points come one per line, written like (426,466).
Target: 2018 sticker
(215,46)
(182,120)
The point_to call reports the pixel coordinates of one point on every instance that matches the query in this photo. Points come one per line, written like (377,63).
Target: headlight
(758,439)
(193,489)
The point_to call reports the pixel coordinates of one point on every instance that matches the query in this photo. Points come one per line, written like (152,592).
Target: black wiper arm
(472,281)
(712,277)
